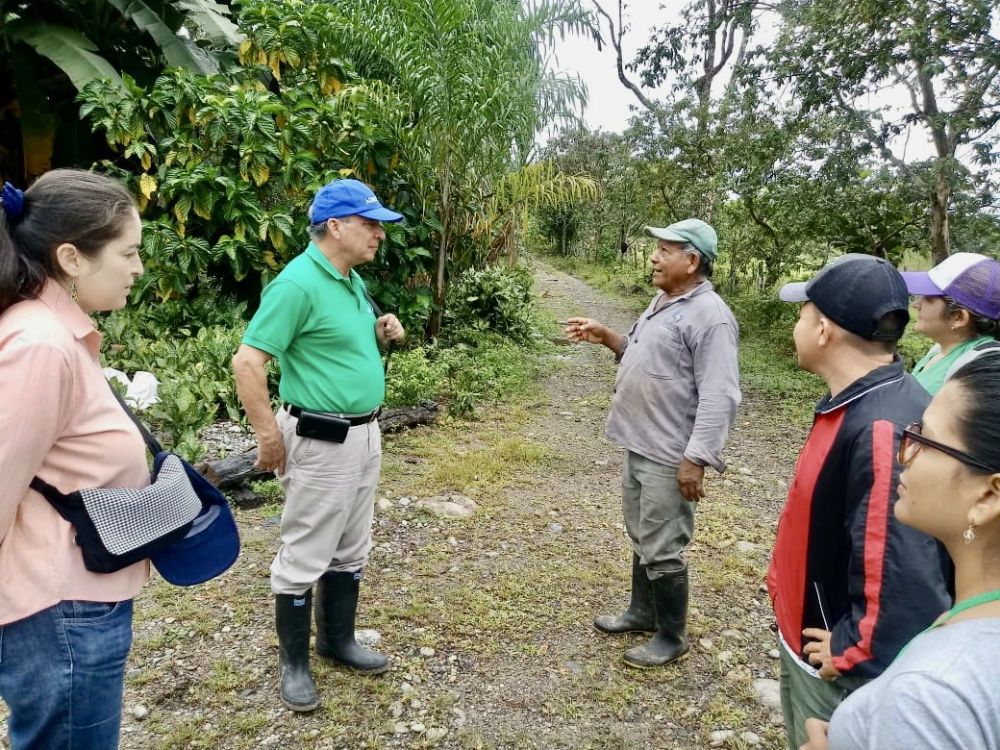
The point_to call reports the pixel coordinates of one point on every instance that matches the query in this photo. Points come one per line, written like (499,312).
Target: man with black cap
(674,400)
(324,443)
(850,585)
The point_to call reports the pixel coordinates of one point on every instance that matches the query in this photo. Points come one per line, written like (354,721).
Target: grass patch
(270,491)
(449,462)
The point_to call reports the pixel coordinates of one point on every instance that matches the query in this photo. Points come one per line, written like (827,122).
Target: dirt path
(488,618)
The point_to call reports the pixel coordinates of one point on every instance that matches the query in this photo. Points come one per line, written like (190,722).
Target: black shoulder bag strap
(378,314)
(151,442)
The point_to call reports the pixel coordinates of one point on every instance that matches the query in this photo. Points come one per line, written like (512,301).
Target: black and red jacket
(880,581)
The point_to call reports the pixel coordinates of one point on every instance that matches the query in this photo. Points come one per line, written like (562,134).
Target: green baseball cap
(695,231)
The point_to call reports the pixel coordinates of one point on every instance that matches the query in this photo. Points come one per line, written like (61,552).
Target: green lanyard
(987,596)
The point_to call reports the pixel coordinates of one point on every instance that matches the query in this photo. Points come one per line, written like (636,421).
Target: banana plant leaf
(70,50)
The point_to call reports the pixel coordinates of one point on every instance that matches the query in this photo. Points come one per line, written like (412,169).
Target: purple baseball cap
(348,198)
(971,279)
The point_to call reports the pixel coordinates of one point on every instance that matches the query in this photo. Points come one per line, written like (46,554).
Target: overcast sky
(609,103)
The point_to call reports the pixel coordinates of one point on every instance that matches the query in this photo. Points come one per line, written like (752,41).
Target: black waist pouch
(327,427)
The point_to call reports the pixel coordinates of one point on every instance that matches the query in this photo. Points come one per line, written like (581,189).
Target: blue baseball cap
(348,198)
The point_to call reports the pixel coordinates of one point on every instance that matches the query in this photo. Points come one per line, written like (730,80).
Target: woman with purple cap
(69,246)
(958,306)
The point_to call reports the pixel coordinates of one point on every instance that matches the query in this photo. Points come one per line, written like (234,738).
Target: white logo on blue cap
(371,199)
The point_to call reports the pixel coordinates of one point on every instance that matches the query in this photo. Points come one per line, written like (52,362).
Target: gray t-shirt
(942,691)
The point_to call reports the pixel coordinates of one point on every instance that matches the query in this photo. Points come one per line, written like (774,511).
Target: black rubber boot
(640,616)
(336,606)
(669,643)
(298,691)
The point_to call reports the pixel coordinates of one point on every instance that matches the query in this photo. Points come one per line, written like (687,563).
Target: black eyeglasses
(913,438)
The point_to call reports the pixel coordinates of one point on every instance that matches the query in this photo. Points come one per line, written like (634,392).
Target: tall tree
(945,56)
(474,73)
(701,57)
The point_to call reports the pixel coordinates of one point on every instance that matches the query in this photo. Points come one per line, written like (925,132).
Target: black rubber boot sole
(300,708)
(621,631)
(334,661)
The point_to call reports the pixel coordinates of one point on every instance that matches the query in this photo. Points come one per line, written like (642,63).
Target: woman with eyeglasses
(943,689)
(958,306)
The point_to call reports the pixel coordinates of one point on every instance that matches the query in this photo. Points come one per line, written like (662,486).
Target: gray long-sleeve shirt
(678,385)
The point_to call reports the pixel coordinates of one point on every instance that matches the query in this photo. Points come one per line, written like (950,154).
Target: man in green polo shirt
(324,443)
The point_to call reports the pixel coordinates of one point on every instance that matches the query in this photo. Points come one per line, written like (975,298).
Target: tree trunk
(944,143)
(940,231)
(439,286)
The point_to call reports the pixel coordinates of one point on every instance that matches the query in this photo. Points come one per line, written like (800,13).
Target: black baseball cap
(857,292)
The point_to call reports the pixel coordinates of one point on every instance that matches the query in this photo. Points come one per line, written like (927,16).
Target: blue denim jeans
(62,671)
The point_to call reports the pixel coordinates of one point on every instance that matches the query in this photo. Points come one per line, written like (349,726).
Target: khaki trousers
(329,504)
(659,521)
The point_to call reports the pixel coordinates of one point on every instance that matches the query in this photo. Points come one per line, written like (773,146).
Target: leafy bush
(415,375)
(496,300)
(191,361)
(225,168)
(463,375)
(913,346)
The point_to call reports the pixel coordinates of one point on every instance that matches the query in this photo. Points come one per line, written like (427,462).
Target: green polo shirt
(321,328)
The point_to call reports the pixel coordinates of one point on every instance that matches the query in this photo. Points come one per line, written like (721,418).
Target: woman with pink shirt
(69,246)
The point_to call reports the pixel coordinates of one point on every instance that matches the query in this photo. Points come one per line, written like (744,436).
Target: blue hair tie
(13,201)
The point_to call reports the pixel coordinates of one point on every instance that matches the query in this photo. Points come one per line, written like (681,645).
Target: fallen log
(238,469)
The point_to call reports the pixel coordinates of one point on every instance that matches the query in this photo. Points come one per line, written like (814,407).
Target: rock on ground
(449,506)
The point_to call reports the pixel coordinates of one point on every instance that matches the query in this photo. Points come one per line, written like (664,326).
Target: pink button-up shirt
(59,420)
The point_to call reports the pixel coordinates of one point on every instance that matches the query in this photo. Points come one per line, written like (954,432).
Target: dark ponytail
(979,420)
(984,326)
(84,209)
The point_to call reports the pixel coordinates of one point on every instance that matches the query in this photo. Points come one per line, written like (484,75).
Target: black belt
(371,416)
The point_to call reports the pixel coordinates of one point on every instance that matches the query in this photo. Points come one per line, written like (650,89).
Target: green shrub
(913,346)
(496,300)
(415,375)
(463,376)
(190,359)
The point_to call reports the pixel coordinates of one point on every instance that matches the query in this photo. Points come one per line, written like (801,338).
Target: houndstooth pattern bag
(119,526)
(126,519)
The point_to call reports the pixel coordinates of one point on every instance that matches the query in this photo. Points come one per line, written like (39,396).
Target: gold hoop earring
(72,291)
(969,534)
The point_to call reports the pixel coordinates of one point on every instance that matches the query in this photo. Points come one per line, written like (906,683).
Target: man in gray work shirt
(674,400)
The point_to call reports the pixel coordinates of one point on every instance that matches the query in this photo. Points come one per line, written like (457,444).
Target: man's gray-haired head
(705,265)
(317,231)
